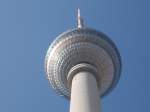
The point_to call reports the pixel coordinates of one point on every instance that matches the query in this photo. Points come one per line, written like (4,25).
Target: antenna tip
(78,12)
(79,20)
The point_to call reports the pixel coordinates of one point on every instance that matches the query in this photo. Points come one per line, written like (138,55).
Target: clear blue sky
(27,27)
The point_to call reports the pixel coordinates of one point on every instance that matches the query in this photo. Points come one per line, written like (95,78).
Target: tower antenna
(80,22)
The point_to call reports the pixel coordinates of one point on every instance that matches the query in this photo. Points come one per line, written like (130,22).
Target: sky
(27,27)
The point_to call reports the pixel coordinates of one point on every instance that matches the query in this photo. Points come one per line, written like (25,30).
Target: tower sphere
(82,45)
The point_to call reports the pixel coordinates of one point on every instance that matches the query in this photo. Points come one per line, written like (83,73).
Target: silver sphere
(82,45)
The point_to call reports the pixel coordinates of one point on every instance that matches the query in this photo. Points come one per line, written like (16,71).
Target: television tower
(83,65)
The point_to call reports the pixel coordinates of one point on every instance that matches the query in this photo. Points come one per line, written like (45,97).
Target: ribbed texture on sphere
(82,45)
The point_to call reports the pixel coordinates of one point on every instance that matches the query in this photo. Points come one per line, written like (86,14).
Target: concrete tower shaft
(84,93)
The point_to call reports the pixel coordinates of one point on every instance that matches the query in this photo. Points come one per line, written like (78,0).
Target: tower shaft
(84,93)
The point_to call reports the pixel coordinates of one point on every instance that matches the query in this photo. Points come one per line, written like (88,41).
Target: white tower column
(84,93)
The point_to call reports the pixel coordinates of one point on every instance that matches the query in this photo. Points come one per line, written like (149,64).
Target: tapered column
(84,93)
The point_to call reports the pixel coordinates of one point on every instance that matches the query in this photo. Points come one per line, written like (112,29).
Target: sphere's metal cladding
(82,45)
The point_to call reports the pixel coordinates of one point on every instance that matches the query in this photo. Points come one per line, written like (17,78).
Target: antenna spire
(80,22)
